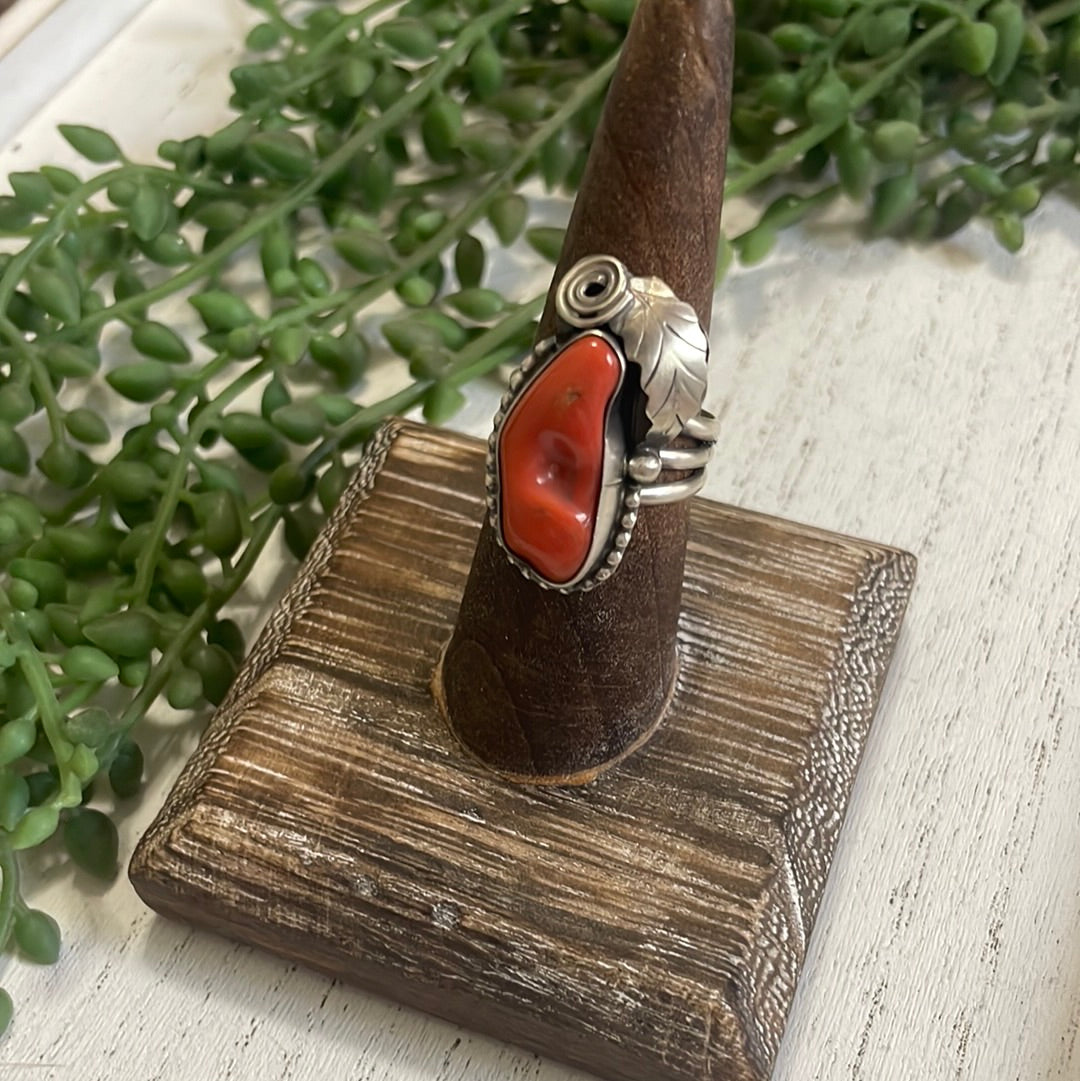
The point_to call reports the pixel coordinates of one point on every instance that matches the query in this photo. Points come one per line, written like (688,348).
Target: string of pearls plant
(385,136)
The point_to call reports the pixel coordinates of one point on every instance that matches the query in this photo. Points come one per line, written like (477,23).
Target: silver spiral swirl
(593,291)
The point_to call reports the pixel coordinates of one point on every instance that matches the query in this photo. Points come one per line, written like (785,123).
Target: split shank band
(648,347)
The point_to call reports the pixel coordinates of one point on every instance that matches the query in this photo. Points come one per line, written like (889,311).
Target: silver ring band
(680,458)
(674,491)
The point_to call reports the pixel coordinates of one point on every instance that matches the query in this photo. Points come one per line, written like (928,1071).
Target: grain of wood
(648,927)
(929,397)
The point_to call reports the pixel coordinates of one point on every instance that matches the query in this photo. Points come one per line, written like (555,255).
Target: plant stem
(147,561)
(264,529)
(407,104)
(38,376)
(37,678)
(798,145)
(1057,13)
(9,889)
(477,358)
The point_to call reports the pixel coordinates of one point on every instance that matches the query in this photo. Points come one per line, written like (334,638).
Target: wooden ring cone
(553,688)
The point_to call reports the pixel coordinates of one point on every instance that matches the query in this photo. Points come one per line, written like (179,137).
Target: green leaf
(619,12)
(90,727)
(972,46)
(440,128)
(32,191)
(61,463)
(894,199)
(753,246)
(55,293)
(14,798)
(416,291)
(886,30)
(92,143)
(283,153)
(125,773)
(546,241)
(247,431)
(87,426)
(330,486)
(219,516)
(16,738)
(477,304)
(124,634)
(409,336)
(14,216)
(895,140)
(130,481)
(159,342)
(508,214)
(184,689)
(222,311)
(37,935)
(442,402)
(490,143)
(485,67)
(14,453)
(62,181)
(36,826)
(223,147)
(213,663)
(142,381)
(1007,19)
(521,104)
(299,422)
(87,664)
(796,38)
(149,213)
(16,403)
(91,841)
(353,76)
(168,249)
(72,361)
(830,101)
(409,37)
(469,261)
(1024,198)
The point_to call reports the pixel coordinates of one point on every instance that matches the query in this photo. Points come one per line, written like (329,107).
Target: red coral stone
(551,458)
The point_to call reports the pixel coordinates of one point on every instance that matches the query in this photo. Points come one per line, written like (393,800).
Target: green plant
(929,113)
(366,149)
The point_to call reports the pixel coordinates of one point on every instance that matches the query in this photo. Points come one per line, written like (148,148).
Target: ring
(565,481)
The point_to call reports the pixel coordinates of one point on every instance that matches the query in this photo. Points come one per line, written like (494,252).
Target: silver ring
(564,483)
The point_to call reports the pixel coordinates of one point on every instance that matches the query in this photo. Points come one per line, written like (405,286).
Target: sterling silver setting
(658,337)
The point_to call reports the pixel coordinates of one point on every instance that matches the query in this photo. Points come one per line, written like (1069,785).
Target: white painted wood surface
(930,399)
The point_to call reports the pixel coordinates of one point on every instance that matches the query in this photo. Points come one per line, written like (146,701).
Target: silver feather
(662,334)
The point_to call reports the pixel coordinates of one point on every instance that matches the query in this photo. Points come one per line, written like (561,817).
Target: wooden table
(930,399)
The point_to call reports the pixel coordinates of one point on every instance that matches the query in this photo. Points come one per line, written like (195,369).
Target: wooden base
(646,927)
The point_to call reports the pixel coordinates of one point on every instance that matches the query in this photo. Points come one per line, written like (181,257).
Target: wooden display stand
(649,925)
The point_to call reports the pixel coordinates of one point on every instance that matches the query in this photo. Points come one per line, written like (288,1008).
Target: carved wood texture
(648,926)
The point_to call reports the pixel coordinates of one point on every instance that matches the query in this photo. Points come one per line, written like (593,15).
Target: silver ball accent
(645,465)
